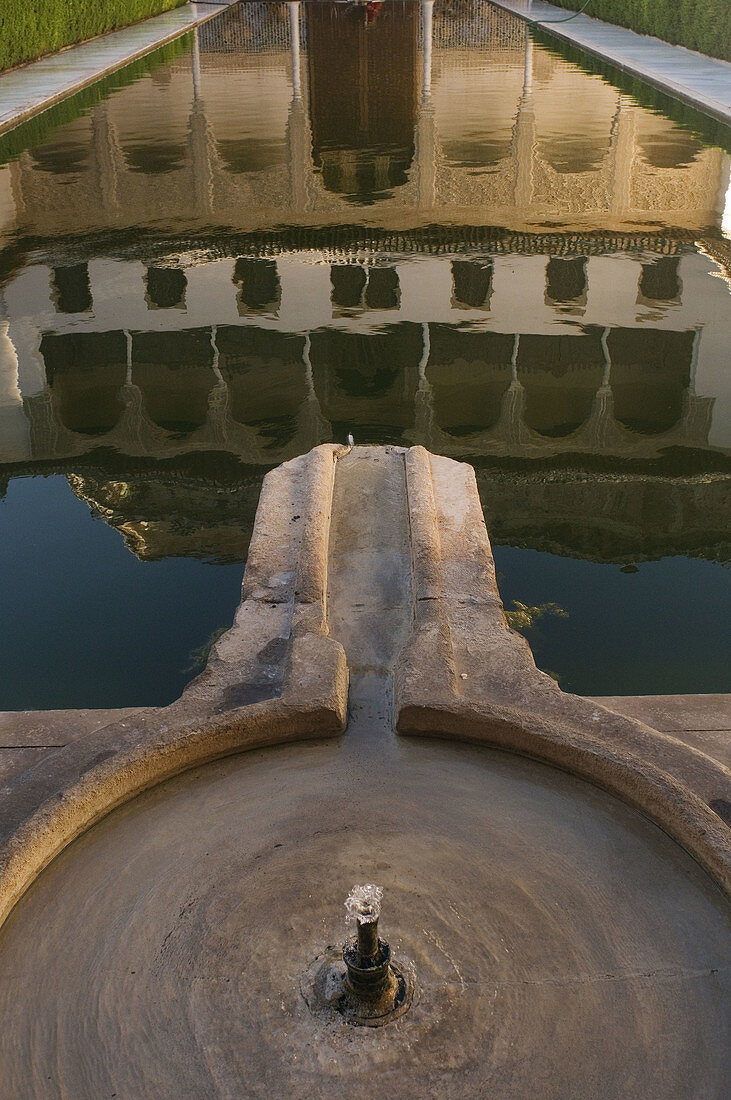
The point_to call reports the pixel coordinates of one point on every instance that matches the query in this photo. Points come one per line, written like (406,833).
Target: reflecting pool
(416,222)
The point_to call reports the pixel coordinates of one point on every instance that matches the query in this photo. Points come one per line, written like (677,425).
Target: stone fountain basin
(563,944)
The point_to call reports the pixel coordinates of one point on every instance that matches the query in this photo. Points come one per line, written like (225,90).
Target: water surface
(410,222)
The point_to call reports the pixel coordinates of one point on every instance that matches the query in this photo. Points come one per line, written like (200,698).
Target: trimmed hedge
(33,28)
(703,25)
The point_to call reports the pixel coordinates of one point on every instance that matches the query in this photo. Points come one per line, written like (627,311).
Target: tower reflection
(362,64)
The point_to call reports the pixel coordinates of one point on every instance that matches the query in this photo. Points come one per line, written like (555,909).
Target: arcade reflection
(409,221)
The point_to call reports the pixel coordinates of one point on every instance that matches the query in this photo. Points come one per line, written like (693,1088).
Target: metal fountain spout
(362,982)
(370,981)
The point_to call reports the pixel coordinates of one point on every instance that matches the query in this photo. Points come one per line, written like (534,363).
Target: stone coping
(277,676)
(704,82)
(33,87)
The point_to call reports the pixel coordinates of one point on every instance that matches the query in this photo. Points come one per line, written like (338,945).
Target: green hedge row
(703,25)
(32,28)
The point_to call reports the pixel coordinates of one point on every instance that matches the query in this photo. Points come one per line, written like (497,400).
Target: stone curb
(671,805)
(464,674)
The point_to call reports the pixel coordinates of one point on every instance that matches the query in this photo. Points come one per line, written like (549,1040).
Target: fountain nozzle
(367,938)
(373,987)
(363,906)
(370,989)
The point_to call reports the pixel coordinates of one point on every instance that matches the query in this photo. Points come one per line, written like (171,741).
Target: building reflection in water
(361,66)
(406,221)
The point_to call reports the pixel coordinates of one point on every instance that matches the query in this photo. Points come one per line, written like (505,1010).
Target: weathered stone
(557,939)
(465,674)
(276,674)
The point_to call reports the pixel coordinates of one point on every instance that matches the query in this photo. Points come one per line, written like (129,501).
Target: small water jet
(361,982)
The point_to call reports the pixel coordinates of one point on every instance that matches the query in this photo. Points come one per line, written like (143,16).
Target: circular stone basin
(563,946)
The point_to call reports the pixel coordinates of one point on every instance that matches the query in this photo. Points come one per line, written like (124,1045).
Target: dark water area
(412,222)
(85,621)
(616,625)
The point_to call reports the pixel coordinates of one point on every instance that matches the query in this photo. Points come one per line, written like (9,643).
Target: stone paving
(32,88)
(704,82)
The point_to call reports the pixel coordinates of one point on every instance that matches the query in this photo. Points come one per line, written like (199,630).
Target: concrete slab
(704,82)
(702,721)
(32,88)
(714,743)
(15,761)
(674,713)
(26,737)
(53,728)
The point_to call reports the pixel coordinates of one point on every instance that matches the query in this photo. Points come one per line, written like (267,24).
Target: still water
(412,222)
